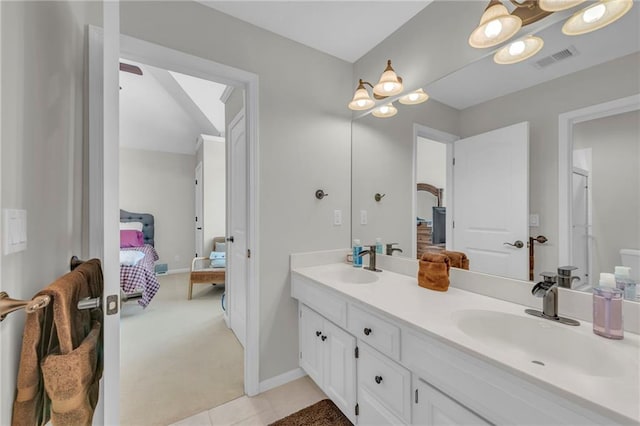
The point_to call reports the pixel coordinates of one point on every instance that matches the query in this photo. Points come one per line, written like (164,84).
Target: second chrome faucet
(548,291)
(372,258)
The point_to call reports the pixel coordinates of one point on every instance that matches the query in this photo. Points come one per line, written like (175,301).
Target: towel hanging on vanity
(61,357)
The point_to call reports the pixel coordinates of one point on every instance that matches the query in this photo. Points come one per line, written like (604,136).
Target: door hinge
(357,409)
(453,224)
(301,358)
(112,304)
(196,218)
(454,161)
(416,395)
(357,352)
(248,252)
(196,181)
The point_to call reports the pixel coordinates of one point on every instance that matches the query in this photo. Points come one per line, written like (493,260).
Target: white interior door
(237,254)
(491,201)
(199,216)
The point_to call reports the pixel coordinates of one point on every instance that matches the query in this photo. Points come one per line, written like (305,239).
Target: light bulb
(413,96)
(516,48)
(361,103)
(384,109)
(594,13)
(388,87)
(493,28)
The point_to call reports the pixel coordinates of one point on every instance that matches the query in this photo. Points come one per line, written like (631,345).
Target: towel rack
(8,305)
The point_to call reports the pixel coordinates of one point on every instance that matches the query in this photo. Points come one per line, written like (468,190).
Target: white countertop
(616,396)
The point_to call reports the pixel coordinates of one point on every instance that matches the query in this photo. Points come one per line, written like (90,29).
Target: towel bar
(8,305)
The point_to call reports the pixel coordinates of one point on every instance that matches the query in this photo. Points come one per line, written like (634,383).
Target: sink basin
(542,342)
(350,275)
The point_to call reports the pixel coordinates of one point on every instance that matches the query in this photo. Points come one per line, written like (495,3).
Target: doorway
(104,161)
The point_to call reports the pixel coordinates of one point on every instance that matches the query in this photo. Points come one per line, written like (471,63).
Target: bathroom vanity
(387,351)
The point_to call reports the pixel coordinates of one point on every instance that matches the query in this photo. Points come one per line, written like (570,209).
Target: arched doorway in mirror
(430,220)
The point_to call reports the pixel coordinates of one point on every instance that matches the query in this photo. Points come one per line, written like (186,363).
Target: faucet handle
(549,277)
(541,288)
(566,270)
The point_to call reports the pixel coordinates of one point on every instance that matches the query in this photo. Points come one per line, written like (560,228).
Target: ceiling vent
(556,57)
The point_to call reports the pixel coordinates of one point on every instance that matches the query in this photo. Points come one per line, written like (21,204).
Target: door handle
(517,244)
(230,239)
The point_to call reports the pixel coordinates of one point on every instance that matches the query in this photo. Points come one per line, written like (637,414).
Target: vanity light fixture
(416,97)
(497,25)
(361,99)
(596,16)
(518,50)
(385,111)
(389,84)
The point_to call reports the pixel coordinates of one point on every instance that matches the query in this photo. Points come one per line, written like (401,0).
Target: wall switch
(337,217)
(14,230)
(534,219)
(363,217)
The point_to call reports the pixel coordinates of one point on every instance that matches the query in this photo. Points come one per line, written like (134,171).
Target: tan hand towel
(458,259)
(433,272)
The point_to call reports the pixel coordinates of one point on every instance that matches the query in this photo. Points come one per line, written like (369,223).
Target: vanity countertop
(611,388)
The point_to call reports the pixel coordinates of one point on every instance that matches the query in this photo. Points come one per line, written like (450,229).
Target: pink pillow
(131,238)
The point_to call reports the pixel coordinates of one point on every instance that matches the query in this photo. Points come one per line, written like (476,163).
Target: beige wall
(162,184)
(43,48)
(541,105)
(303,134)
(214,189)
(615,185)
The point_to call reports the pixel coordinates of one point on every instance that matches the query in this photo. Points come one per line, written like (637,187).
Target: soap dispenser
(607,308)
(378,245)
(357,248)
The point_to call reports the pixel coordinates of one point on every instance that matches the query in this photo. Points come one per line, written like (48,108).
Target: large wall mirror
(473,116)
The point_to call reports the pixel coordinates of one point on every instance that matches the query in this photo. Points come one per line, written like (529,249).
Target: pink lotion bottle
(607,308)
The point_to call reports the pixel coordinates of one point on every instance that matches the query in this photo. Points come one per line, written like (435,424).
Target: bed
(137,259)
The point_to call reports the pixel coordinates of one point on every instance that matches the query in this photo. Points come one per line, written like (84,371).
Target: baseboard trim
(280,380)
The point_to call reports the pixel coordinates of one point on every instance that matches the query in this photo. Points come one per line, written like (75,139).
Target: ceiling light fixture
(416,97)
(385,111)
(518,50)
(596,16)
(497,25)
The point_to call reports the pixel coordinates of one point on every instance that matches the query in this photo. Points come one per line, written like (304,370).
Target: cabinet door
(340,369)
(373,413)
(311,345)
(432,407)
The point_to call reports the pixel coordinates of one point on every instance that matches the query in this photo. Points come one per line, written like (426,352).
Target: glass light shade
(496,26)
(595,17)
(390,84)
(518,50)
(361,100)
(385,111)
(558,5)
(417,97)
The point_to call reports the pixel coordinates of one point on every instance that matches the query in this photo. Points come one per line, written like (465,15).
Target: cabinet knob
(324,338)
(367,331)
(318,333)
(378,379)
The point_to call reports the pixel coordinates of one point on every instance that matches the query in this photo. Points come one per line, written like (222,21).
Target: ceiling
(327,26)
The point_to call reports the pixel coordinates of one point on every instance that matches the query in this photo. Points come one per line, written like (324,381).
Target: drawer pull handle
(318,333)
(367,331)
(378,379)
(324,338)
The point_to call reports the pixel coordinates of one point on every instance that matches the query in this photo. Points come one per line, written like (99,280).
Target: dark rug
(323,413)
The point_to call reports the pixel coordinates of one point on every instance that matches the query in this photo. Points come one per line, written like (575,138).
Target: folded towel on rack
(65,342)
(457,258)
(433,272)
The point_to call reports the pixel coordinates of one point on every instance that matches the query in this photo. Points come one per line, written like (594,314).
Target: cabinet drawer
(388,381)
(375,331)
(322,301)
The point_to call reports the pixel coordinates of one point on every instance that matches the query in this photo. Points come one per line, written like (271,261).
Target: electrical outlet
(534,219)
(363,217)
(337,217)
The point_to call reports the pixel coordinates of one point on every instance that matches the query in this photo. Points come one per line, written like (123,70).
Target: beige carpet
(177,357)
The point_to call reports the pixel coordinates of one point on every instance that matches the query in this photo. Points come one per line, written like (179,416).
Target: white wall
(43,47)
(214,181)
(162,183)
(541,105)
(303,145)
(615,185)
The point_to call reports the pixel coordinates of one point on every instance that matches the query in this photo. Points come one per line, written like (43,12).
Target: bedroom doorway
(246,83)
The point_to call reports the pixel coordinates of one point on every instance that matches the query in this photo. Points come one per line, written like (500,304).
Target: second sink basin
(541,342)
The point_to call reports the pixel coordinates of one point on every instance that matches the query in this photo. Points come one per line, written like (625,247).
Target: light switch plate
(534,219)
(337,217)
(14,230)
(363,217)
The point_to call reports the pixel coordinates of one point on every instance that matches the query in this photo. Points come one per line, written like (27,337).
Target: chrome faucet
(564,276)
(548,291)
(372,258)
(391,249)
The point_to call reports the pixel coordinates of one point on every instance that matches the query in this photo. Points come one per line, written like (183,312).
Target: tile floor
(262,409)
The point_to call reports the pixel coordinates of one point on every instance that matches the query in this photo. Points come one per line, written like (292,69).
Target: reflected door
(491,201)
(580,226)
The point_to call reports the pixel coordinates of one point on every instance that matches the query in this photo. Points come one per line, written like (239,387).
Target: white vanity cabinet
(327,354)
(432,407)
